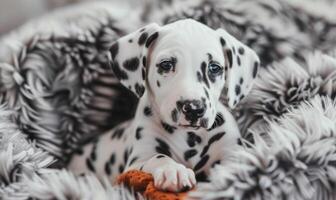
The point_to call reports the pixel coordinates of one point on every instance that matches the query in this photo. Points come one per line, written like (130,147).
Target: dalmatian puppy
(180,129)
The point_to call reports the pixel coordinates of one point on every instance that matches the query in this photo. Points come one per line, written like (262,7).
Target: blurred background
(13,13)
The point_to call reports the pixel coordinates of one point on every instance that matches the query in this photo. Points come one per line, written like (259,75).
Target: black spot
(241,80)
(199,76)
(206,93)
(133,160)
(151,39)
(147,111)
(255,69)
(114,50)
(190,153)
(237,89)
(142,30)
(158,83)
(216,137)
(174,115)
(139,89)
(138,134)
(131,64)
(168,128)
(143,73)
(93,154)
(234,102)
(142,38)
(238,60)
(229,56)
(222,41)
(192,139)
(119,73)
(89,165)
(241,97)
(117,133)
(130,40)
(121,168)
(217,162)
(112,158)
(202,177)
(163,147)
(204,75)
(144,61)
(234,50)
(126,155)
(201,163)
(107,168)
(241,50)
(209,56)
(160,156)
(205,150)
(79,151)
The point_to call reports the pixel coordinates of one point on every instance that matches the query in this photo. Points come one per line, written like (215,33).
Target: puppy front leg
(168,175)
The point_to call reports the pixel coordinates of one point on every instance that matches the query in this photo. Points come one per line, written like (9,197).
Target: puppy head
(184,67)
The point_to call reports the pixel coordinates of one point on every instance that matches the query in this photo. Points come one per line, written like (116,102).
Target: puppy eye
(166,65)
(215,68)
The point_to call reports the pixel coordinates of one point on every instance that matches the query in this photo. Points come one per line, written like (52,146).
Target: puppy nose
(194,108)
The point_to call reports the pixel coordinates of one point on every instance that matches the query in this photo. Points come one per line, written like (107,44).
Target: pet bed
(58,91)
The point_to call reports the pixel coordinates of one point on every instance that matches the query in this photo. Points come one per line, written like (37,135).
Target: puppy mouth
(190,126)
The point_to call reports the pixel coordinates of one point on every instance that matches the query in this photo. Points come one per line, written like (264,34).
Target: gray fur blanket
(57,91)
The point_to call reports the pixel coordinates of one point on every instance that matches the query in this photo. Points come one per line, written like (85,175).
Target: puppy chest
(199,152)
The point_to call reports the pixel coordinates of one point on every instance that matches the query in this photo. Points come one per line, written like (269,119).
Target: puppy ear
(241,67)
(130,55)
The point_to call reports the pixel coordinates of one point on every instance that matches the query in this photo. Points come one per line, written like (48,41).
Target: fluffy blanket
(57,92)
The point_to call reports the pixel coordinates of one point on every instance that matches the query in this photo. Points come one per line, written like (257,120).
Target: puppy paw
(173,177)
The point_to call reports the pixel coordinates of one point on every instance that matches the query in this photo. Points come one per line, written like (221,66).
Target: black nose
(193,108)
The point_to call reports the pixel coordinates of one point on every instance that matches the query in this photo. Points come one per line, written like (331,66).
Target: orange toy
(143,182)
